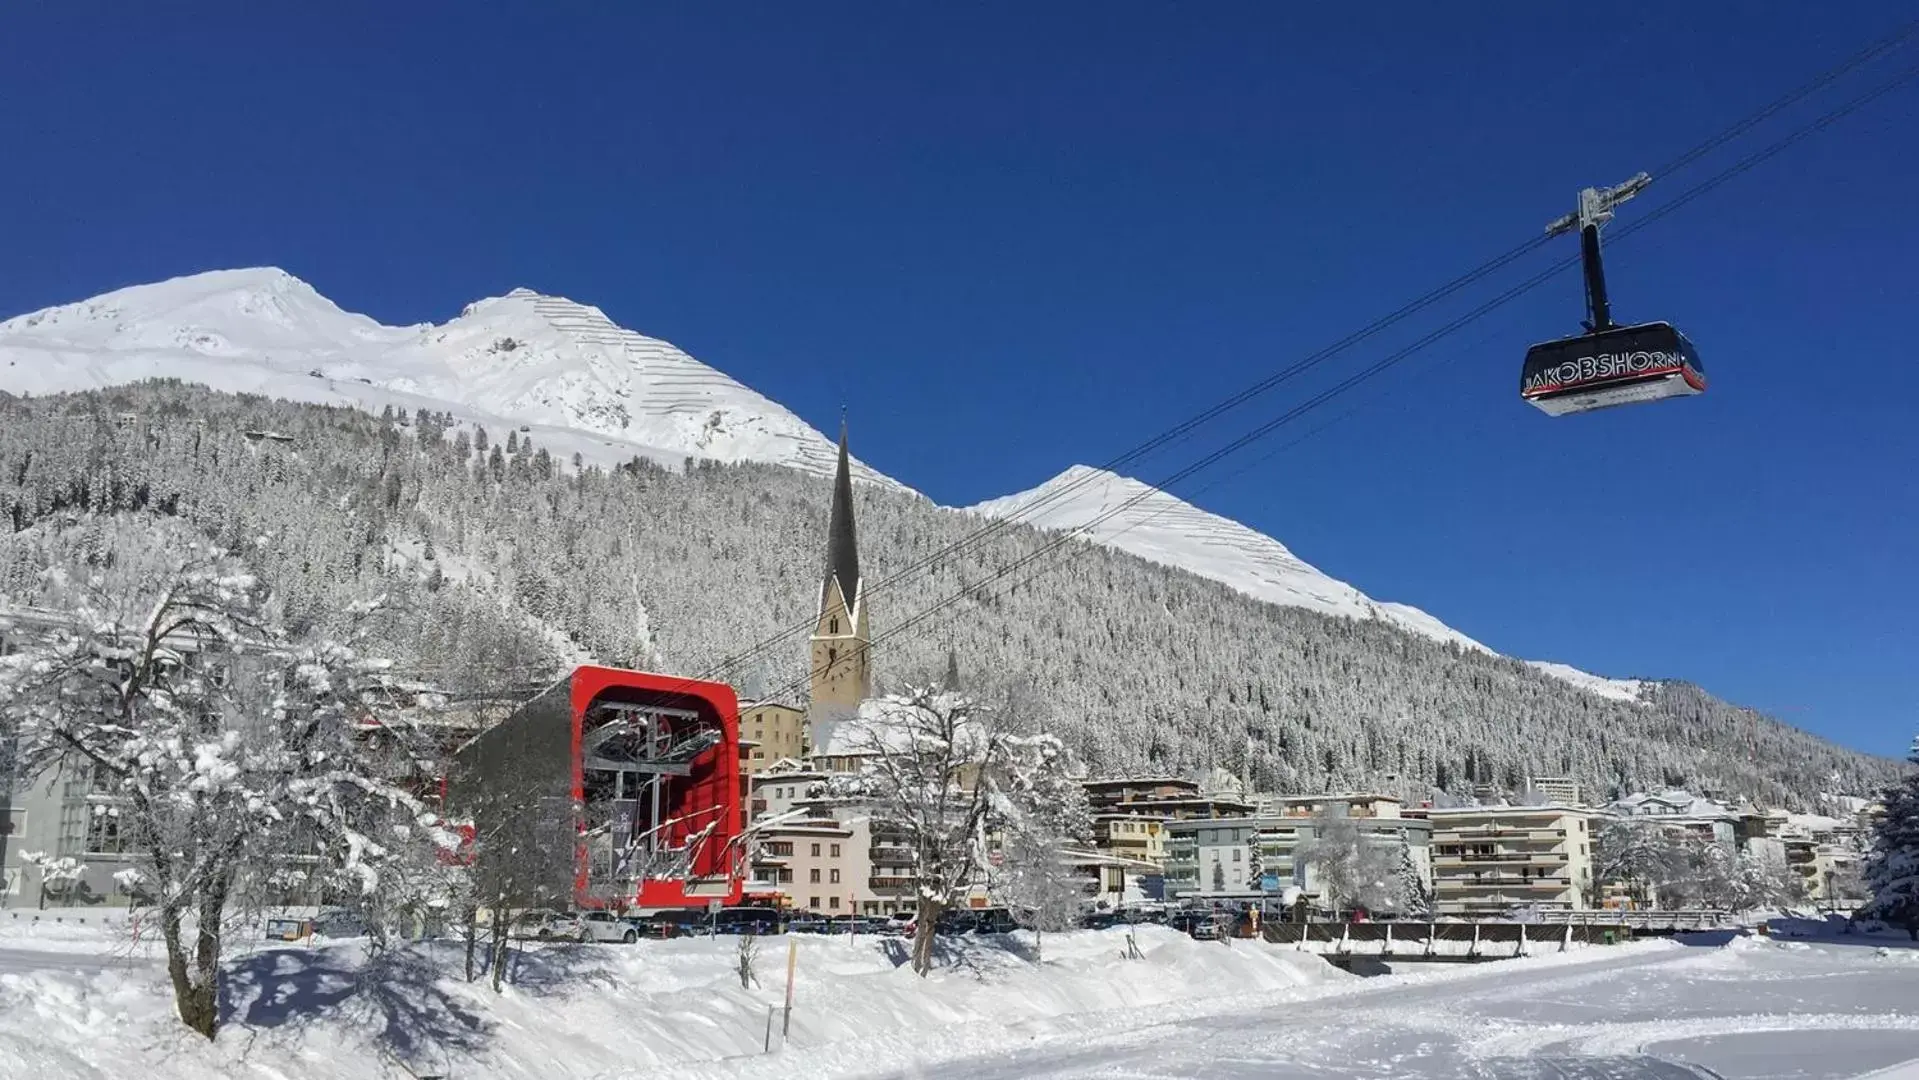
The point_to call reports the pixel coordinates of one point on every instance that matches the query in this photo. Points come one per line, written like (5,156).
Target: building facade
(1488,860)
(1262,856)
(775,731)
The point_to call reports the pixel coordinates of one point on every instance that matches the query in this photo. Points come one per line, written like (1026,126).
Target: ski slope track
(1162,528)
(577,381)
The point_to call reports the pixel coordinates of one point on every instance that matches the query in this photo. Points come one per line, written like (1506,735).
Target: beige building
(1490,859)
(777,732)
(1558,789)
(819,864)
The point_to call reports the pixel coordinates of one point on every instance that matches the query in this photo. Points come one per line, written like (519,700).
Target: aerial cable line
(1392,359)
(1182,430)
(1179,432)
(1185,428)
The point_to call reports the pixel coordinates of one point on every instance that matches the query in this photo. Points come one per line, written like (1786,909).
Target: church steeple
(842,547)
(841,647)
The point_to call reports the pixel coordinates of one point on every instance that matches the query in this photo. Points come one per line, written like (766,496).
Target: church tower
(841,647)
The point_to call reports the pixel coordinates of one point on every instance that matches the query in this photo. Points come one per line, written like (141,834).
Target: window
(758,754)
(833,901)
(836,854)
(813,876)
(103,834)
(813,902)
(816,851)
(14,823)
(835,877)
(833,625)
(1236,854)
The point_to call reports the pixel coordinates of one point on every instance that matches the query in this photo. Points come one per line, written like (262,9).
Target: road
(19,961)
(1753,1010)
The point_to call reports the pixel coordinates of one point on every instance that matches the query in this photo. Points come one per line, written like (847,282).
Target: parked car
(607,926)
(339,923)
(1199,925)
(650,927)
(994,921)
(681,922)
(809,924)
(548,926)
(746,920)
(866,925)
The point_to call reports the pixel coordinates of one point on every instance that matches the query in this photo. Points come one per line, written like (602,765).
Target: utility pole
(1595,209)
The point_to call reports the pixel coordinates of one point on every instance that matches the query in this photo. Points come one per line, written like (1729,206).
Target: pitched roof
(842,550)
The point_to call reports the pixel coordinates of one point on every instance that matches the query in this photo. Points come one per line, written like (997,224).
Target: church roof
(842,550)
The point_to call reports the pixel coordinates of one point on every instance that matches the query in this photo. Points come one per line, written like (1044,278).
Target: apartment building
(1260,856)
(819,864)
(776,730)
(1488,860)
(1681,812)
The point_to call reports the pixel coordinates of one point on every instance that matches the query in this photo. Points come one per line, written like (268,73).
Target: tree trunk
(195,978)
(499,942)
(927,921)
(472,936)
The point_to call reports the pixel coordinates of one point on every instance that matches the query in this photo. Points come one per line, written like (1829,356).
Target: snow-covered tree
(1411,889)
(1042,818)
(1637,854)
(58,873)
(945,772)
(1145,668)
(1350,868)
(1892,866)
(224,742)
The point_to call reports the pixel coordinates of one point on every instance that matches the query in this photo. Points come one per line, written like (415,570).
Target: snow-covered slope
(1168,530)
(1165,529)
(562,369)
(1617,689)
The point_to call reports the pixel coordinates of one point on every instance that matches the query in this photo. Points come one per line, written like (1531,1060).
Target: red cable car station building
(610,789)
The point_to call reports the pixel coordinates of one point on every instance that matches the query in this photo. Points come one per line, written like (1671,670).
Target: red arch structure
(611,788)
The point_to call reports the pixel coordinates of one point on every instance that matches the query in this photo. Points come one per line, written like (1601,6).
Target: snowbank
(599,1010)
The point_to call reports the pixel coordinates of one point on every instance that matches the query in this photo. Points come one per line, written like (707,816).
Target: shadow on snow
(413,999)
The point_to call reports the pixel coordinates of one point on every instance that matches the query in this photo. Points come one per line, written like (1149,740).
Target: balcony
(1515,858)
(1509,833)
(1554,882)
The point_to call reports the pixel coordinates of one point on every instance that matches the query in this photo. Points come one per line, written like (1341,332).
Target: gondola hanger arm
(1596,205)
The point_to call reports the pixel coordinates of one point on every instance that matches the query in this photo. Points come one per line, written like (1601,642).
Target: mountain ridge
(523,359)
(565,373)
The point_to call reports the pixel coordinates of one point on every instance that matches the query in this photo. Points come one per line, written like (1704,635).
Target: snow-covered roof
(1673,802)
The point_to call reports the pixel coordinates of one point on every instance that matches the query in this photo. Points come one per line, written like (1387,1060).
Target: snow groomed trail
(1750,1008)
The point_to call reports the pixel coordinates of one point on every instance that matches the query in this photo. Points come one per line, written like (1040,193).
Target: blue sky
(1009,240)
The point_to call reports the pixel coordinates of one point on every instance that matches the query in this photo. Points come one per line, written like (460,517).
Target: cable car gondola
(1609,364)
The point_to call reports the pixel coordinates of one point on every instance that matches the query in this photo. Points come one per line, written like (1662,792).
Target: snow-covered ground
(1754,1008)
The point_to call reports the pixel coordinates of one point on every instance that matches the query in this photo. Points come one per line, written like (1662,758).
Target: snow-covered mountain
(575,379)
(580,383)
(1135,517)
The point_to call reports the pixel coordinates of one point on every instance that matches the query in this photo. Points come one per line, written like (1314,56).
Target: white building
(1258,857)
(1488,860)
